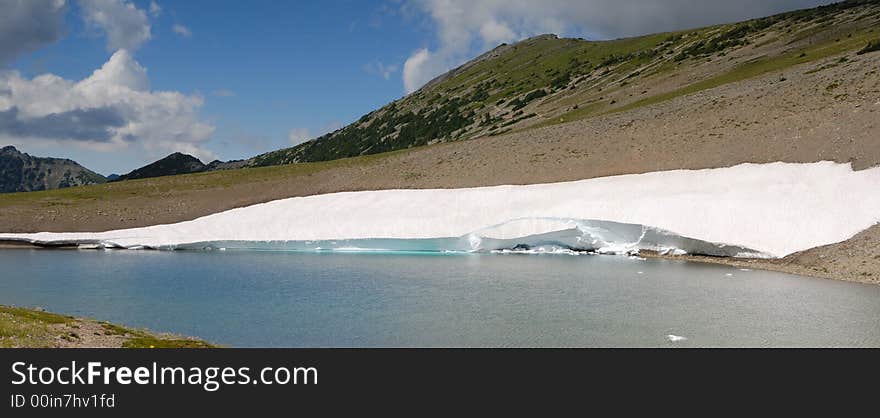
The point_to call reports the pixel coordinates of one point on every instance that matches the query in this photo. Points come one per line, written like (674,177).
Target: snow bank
(749,210)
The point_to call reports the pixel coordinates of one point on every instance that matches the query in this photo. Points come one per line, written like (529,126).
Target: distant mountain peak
(20,172)
(173,164)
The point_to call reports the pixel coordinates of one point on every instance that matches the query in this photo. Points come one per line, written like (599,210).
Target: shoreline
(780,265)
(35,328)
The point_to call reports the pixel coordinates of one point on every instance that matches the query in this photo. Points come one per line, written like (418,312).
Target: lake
(289,299)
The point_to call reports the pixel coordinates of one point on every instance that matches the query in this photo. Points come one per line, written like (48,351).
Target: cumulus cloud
(494,32)
(78,124)
(126,26)
(377,68)
(420,67)
(465,27)
(298,136)
(26,25)
(181,30)
(110,110)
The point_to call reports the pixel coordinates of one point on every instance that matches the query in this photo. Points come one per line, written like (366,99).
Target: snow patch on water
(578,237)
(749,210)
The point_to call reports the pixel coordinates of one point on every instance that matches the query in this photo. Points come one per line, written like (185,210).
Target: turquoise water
(283,299)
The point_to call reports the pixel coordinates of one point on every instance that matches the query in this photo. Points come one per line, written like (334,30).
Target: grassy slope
(28,328)
(763,65)
(794,38)
(577,79)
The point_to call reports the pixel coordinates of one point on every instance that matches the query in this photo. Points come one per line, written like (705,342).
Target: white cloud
(466,27)
(494,33)
(112,109)
(25,26)
(181,30)
(126,26)
(155,9)
(121,70)
(298,136)
(379,69)
(419,68)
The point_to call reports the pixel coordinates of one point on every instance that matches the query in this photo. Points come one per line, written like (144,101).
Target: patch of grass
(152,342)
(871,47)
(113,329)
(20,327)
(30,328)
(144,339)
(36,315)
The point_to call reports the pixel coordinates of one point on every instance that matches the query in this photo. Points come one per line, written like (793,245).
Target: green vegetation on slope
(21,327)
(871,47)
(756,67)
(30,328)
(477,100)
(143,339)
(546,80)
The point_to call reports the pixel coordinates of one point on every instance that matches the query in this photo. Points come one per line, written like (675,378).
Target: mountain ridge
(21,172)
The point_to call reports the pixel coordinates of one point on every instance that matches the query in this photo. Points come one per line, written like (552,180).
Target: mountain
(177,163)
(546,80)
(20,172)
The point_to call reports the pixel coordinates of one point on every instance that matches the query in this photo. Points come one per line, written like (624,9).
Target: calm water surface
(390,300)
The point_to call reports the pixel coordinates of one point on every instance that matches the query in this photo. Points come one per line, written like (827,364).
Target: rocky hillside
(546,80)
(177,163)
(20,172)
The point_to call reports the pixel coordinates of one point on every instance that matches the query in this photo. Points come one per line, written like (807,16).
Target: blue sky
(250,77)
(263,70)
